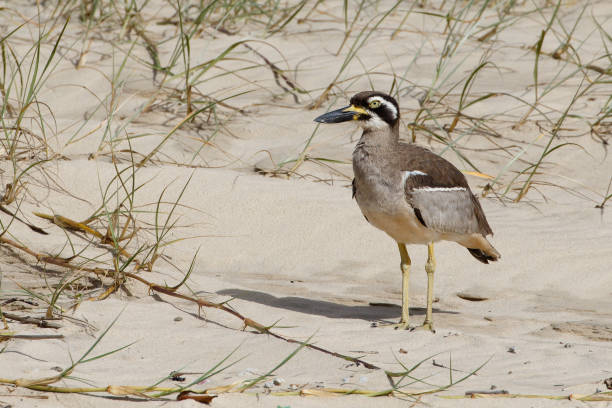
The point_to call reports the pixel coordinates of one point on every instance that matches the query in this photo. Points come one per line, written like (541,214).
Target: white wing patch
(436,189)
(411,173)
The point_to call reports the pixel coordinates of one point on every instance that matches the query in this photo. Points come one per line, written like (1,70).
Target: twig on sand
(602,396)
(10,335)
(32,320)
(488,392)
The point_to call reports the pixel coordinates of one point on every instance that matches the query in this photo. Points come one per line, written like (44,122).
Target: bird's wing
(440,195)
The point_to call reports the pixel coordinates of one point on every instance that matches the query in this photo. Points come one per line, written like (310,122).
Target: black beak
(337,116)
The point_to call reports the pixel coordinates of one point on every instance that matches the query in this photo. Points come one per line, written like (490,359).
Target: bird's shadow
(324,308)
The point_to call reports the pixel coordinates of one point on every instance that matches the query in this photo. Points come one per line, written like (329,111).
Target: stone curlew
(412,194)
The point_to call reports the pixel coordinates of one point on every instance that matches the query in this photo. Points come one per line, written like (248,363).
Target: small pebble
(511,350)
(373,324)
(268,384)
(57,368)
(293,387)
(402,351)
(178,319)
(568,345)
(493,387)
(278,381)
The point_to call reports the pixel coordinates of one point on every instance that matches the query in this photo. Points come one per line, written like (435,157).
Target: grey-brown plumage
(412,194)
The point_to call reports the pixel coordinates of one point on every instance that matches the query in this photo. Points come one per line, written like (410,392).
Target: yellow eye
(374,104)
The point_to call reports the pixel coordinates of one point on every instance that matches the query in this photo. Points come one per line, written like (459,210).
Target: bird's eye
(374,104)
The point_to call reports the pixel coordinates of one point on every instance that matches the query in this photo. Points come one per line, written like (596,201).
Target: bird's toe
(426,326)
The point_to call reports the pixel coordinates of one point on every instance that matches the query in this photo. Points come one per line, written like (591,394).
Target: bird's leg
(405,265)
(430,268)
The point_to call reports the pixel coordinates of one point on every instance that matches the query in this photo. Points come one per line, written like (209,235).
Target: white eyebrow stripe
(437,189)
(385,102)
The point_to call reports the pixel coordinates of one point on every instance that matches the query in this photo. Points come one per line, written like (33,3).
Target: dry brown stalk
(67,223)
(32,320)
(12,335)
(170,291)
(203,398)
(558,56)
(43,385)
(313,392)
(603,396)
(12,214)
(278,73)
(322,98)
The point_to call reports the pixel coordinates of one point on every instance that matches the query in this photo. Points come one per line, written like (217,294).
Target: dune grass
(201,65)
(401,381)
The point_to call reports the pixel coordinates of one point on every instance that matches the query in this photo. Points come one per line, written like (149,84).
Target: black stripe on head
(382,105)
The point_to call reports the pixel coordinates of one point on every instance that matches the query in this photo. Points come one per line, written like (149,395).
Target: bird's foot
(426,326)
(402,325)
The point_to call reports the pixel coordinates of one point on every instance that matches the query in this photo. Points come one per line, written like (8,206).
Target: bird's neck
(380,137)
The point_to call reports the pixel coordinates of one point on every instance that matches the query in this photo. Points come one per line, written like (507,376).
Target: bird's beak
(345,114)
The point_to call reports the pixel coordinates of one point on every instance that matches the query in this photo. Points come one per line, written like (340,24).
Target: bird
(410,193)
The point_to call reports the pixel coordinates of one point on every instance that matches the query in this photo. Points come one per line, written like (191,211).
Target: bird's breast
(379,192)
(377,188)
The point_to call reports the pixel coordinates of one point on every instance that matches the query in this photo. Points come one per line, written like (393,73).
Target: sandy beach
(228,181)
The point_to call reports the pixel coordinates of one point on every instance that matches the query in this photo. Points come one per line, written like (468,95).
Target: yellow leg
(430,268)
(405,265)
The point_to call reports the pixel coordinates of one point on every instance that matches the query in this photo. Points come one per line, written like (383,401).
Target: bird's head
(371,110)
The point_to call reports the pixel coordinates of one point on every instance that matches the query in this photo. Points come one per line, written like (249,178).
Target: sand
(295,252)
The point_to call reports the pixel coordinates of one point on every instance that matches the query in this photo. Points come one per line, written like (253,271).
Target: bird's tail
(480,248)
(483,256)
